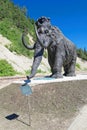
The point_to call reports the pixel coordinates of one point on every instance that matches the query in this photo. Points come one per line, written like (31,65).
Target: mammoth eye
(46,31)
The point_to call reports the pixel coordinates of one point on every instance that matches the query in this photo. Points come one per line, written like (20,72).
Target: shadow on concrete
(15,117)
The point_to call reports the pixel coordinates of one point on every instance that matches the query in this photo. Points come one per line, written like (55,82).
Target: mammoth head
(42,27)
(43,21)
(43,36)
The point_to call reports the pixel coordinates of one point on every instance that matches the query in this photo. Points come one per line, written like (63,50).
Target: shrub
(82,53)
(78,66)
(6,69)
(13,22)
(10,31)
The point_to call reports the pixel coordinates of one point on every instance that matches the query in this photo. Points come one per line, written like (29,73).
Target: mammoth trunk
(37,59)
(35,65)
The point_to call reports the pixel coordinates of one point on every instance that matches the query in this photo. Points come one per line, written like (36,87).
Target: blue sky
(69,15)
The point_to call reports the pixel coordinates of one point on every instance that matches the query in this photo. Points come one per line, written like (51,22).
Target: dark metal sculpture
(61,51)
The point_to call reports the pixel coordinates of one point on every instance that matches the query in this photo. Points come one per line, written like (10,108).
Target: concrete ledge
(44,80)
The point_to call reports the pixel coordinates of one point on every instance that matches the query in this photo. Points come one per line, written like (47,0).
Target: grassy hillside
(13,21)
(82,53)
(15,15)
(6,69)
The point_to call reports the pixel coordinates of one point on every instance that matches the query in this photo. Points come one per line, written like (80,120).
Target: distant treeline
(17,16)
(82,53)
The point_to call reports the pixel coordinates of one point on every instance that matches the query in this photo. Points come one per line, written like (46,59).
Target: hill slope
(13,22)
(20,63)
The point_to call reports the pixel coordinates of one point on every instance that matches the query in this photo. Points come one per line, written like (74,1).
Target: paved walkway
(5,81)
(80,122)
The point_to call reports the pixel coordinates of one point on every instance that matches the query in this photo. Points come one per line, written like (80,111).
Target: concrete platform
(43,80)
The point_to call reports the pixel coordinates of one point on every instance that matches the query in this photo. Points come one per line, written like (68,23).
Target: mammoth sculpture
(61,51)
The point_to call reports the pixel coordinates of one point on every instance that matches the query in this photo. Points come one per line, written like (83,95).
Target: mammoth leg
(70,69)
(57,68)
(37,59)
(51,60)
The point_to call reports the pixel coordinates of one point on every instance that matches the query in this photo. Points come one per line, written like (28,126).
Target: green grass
(78,66)
(45,54)
(40,71)
(27,72)
(8,30)
(6,69)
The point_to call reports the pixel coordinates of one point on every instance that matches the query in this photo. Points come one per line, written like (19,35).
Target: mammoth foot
(28,77)
(56,76)
(69,74)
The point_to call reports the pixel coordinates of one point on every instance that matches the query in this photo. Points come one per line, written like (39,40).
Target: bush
(82,53)
(15,14)
(6,69)
(10,31)
(78,66)
(13,22)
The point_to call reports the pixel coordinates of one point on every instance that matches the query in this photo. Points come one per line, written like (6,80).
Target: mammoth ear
(46,31)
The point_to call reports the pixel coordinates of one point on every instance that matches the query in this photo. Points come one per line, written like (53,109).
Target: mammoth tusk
(38,37)
(26,44)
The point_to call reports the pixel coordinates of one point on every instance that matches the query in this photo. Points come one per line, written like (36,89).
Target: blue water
(44,78)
